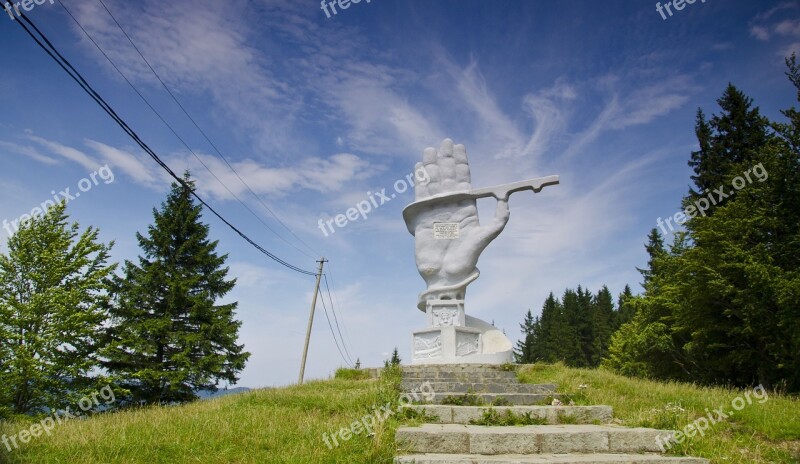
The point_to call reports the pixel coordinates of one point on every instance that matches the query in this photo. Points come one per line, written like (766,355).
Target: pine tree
(721,305)
(168,337)
(564,331)
(524,350)
(602,325)
(652,343)
(733,137)
(53,290)
(395,361)
(545,347)
(625,310)
(745,324)
(655,250)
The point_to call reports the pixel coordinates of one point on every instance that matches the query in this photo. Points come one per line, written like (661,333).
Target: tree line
(575,328)
(69,324)
(721,301)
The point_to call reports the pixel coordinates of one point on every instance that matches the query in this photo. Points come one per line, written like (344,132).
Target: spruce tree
(733,137)
(545,346)
(602,325)
(652,343)
(564,335)
(625,310)
(741,278)
(655,250)
(524,349)
(53,291)
(169,338)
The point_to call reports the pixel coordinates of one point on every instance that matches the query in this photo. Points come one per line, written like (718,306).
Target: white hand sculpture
(448,266)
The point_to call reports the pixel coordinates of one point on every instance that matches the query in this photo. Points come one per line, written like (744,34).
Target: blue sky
(315,112)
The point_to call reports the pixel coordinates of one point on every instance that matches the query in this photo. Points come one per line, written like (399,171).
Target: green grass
(493,417)
(767,432)
(344,373)
(263,426)
(286,425)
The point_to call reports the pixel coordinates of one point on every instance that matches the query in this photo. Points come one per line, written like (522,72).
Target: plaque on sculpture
(445,230)
(448,240)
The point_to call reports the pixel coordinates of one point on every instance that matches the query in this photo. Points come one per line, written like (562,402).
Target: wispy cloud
(28,151)
(69,153)
(315,174)
(765,26)
(143,174)
(198,51)
(637,107)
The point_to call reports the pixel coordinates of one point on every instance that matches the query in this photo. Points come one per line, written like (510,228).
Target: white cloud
(764,28)
(64,151)
(316,174)
(202,51)
(788,27)
(759,32)
(144,174)
(28,151)
(550,119)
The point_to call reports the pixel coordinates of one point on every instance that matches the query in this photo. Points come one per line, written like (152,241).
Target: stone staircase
(487,393)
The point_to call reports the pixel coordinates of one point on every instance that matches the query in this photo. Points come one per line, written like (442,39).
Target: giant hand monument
(449,239)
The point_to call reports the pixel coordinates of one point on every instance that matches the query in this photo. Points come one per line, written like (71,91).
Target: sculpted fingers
(421,182)
(463,177)
(447,166)
(429,156)
(446,149)
(447,170)
(429,161)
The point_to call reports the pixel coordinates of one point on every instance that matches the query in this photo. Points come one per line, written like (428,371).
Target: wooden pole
(311,320)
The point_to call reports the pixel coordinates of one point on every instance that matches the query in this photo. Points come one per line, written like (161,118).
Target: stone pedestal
(452,337)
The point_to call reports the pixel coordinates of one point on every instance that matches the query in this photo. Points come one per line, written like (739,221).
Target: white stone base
(454,338)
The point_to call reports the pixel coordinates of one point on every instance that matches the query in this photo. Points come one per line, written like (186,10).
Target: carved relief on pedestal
(427,345)
(467,343)
(445,317)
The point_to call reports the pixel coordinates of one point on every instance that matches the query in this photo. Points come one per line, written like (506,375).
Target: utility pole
(311,320)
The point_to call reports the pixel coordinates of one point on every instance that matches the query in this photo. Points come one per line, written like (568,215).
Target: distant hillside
(205,394)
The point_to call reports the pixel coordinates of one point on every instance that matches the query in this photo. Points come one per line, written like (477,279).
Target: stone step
(518,399)
(546,458)
(478,387)
(499,375)
(529,439)
(446,414)
(459,367)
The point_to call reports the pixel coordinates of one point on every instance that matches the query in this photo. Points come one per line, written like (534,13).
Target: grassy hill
(287,425)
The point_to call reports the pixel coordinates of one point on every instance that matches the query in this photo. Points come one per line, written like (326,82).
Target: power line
(53,52)
(336,319)
(208,139)
(349,363)
(174,132)
(336,297)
